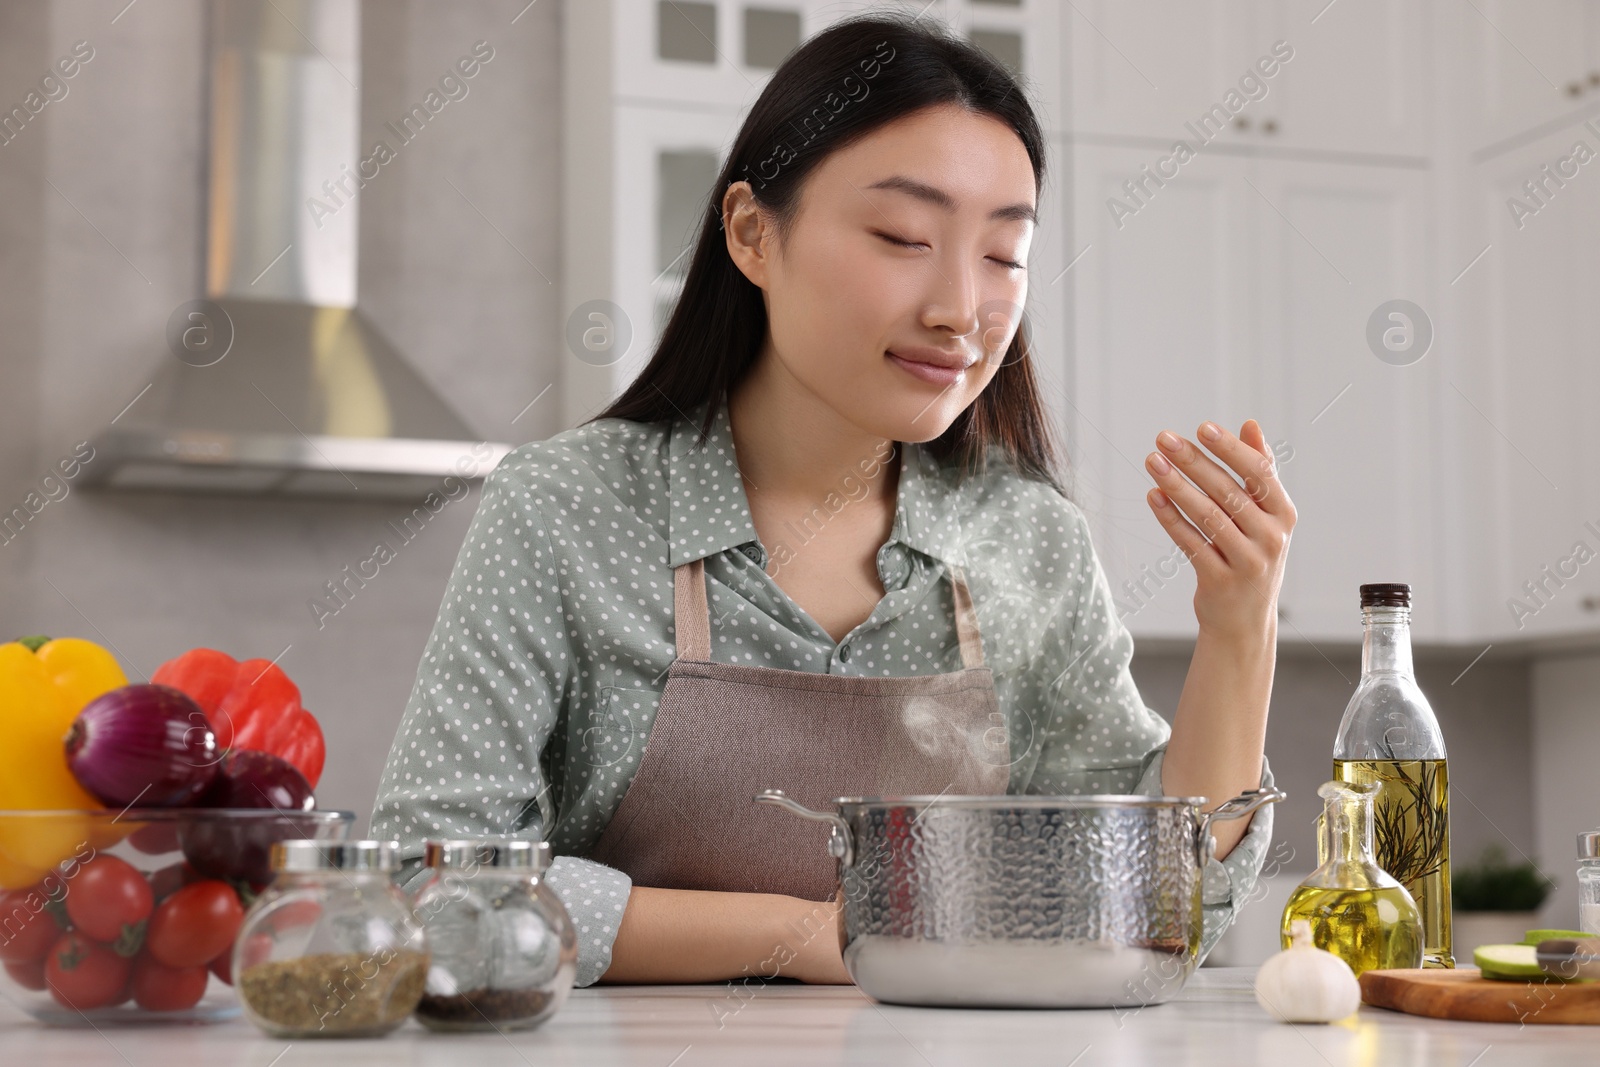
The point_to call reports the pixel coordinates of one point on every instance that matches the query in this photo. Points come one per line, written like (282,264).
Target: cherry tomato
(195,924)
(157,987)
(28,975)
(27,928)
(107,897)
(85,975)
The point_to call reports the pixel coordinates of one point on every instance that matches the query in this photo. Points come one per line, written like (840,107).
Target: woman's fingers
(1252,460)
(1200,552)
(1213,522)
(1212,478)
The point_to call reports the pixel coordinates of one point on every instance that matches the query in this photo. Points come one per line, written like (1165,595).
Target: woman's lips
(927,371)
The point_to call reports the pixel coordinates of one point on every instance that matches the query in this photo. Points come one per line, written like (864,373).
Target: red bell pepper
(251,704)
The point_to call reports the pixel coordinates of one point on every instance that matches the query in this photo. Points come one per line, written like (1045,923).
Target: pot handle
(1237,808)
(841,844)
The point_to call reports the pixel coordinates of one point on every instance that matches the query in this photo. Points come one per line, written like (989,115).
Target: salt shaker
(505,950)
(1589,882)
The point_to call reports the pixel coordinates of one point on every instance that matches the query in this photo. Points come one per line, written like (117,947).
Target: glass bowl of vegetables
(135,918)
(137,823)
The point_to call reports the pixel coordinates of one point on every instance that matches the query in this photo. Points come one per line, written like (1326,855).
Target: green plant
(1495,884)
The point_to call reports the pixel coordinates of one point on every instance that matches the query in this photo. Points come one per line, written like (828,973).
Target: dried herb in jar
(483,1007)
(335,992)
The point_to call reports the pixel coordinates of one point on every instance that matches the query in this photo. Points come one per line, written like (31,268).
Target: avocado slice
(1533,937)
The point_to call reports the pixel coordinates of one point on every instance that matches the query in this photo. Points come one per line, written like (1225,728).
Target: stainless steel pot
(1022,901)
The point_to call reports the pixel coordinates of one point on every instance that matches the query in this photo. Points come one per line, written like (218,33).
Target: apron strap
(692,615)
(691,621)
(966,620)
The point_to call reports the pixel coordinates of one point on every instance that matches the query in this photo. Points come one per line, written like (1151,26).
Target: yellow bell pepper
(43,685)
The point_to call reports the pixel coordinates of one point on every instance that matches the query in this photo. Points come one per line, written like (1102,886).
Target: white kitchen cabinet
(1524,394)
(1401,131)
(1241,290)
(1359,82)
(1240,287)
(1521,65)
(1165,337)
(1142,69)
(1336,242)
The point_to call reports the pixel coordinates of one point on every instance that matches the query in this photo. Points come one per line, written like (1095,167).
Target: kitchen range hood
(276,383)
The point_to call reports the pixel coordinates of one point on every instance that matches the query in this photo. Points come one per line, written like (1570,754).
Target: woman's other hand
(1237,536)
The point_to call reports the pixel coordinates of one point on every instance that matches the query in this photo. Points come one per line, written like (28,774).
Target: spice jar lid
(305,856)
(1589,845)
(510,853)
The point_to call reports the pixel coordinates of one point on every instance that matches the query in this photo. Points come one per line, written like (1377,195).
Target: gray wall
(464,289)
(456,285)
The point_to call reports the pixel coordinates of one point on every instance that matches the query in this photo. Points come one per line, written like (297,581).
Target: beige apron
(724,732)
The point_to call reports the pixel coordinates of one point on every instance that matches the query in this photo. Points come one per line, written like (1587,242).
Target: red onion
(143,744)
(250,779)
(240,849)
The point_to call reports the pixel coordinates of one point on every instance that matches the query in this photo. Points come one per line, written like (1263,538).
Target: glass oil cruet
(1356,909)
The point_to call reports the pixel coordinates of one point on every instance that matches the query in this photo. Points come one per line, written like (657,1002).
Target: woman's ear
(746,231)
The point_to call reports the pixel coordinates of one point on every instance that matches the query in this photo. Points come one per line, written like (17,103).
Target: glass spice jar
(505,951)
(1589,882)
(331,947)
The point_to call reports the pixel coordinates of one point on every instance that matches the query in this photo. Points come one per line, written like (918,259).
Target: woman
(827,514)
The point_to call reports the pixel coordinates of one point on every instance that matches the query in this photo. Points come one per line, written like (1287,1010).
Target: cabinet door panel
(1148,66)
(1338,242)
(1163,338)
(1358,82)
(1533,389)
(1517,62)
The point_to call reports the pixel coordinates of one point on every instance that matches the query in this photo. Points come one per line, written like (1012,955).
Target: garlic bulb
(1306,984)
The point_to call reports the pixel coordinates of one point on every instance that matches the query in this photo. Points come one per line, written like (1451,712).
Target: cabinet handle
(1242,123)
(1591,603)
(1594,77)
(1574,88)
(1269,126)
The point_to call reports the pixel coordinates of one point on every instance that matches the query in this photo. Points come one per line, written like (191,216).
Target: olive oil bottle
(1356,910)
(1389,737)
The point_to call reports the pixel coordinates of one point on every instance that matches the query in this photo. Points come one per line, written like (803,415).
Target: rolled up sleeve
(466,758)
(1226,884)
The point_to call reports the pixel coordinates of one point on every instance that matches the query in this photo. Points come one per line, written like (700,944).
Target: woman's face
(904,241)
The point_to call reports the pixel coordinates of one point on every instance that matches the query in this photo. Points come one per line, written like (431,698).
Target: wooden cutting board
(1461,993)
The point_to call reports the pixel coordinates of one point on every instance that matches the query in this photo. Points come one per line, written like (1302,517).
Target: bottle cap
(1386,594)
(501,852)
(306,856)
(1589,845)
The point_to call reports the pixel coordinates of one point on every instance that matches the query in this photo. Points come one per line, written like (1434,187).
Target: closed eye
(1009,264)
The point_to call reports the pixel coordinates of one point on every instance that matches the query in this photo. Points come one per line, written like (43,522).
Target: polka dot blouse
(539,683)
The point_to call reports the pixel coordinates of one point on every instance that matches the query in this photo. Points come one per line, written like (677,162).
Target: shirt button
(844,653)
(754,552)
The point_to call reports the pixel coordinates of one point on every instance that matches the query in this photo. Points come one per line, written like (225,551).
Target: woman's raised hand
(1237,536)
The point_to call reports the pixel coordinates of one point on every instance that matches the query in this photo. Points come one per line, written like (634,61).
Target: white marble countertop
(1214,1021)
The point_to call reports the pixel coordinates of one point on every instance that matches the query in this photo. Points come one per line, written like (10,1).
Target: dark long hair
(852,78)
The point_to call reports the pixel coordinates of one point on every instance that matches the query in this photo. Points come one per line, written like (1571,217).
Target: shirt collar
(709,511)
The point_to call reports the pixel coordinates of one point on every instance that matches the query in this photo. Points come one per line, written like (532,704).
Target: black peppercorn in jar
(332,947)
(506,953)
